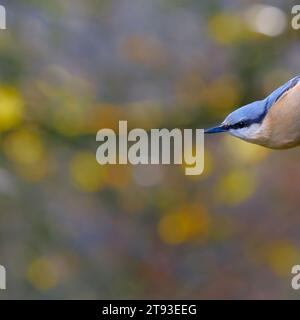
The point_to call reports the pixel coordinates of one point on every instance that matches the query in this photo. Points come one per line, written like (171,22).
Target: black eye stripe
(238,125)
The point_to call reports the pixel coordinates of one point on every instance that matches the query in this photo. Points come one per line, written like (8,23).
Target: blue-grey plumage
(273,122)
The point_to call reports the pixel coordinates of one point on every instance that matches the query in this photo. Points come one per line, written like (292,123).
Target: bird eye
(239,125)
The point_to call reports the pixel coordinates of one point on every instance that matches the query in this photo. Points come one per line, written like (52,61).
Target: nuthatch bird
(273,122)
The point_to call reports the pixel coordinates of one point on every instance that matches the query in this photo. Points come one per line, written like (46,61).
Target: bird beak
(215,130)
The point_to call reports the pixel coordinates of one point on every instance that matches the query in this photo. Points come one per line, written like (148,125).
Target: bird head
(245,122)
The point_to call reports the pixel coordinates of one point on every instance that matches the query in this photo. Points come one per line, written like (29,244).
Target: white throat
(251,133)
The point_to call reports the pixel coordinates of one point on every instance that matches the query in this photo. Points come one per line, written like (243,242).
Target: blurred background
(70,228)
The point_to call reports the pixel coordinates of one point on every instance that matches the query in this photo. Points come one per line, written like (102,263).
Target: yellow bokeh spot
(69,116)
(282,257)
(43,274)
(236,187)
(244,153)
(86,173)
(224,93)
(26,149)
(188,223)
(228,28)
(11,108)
